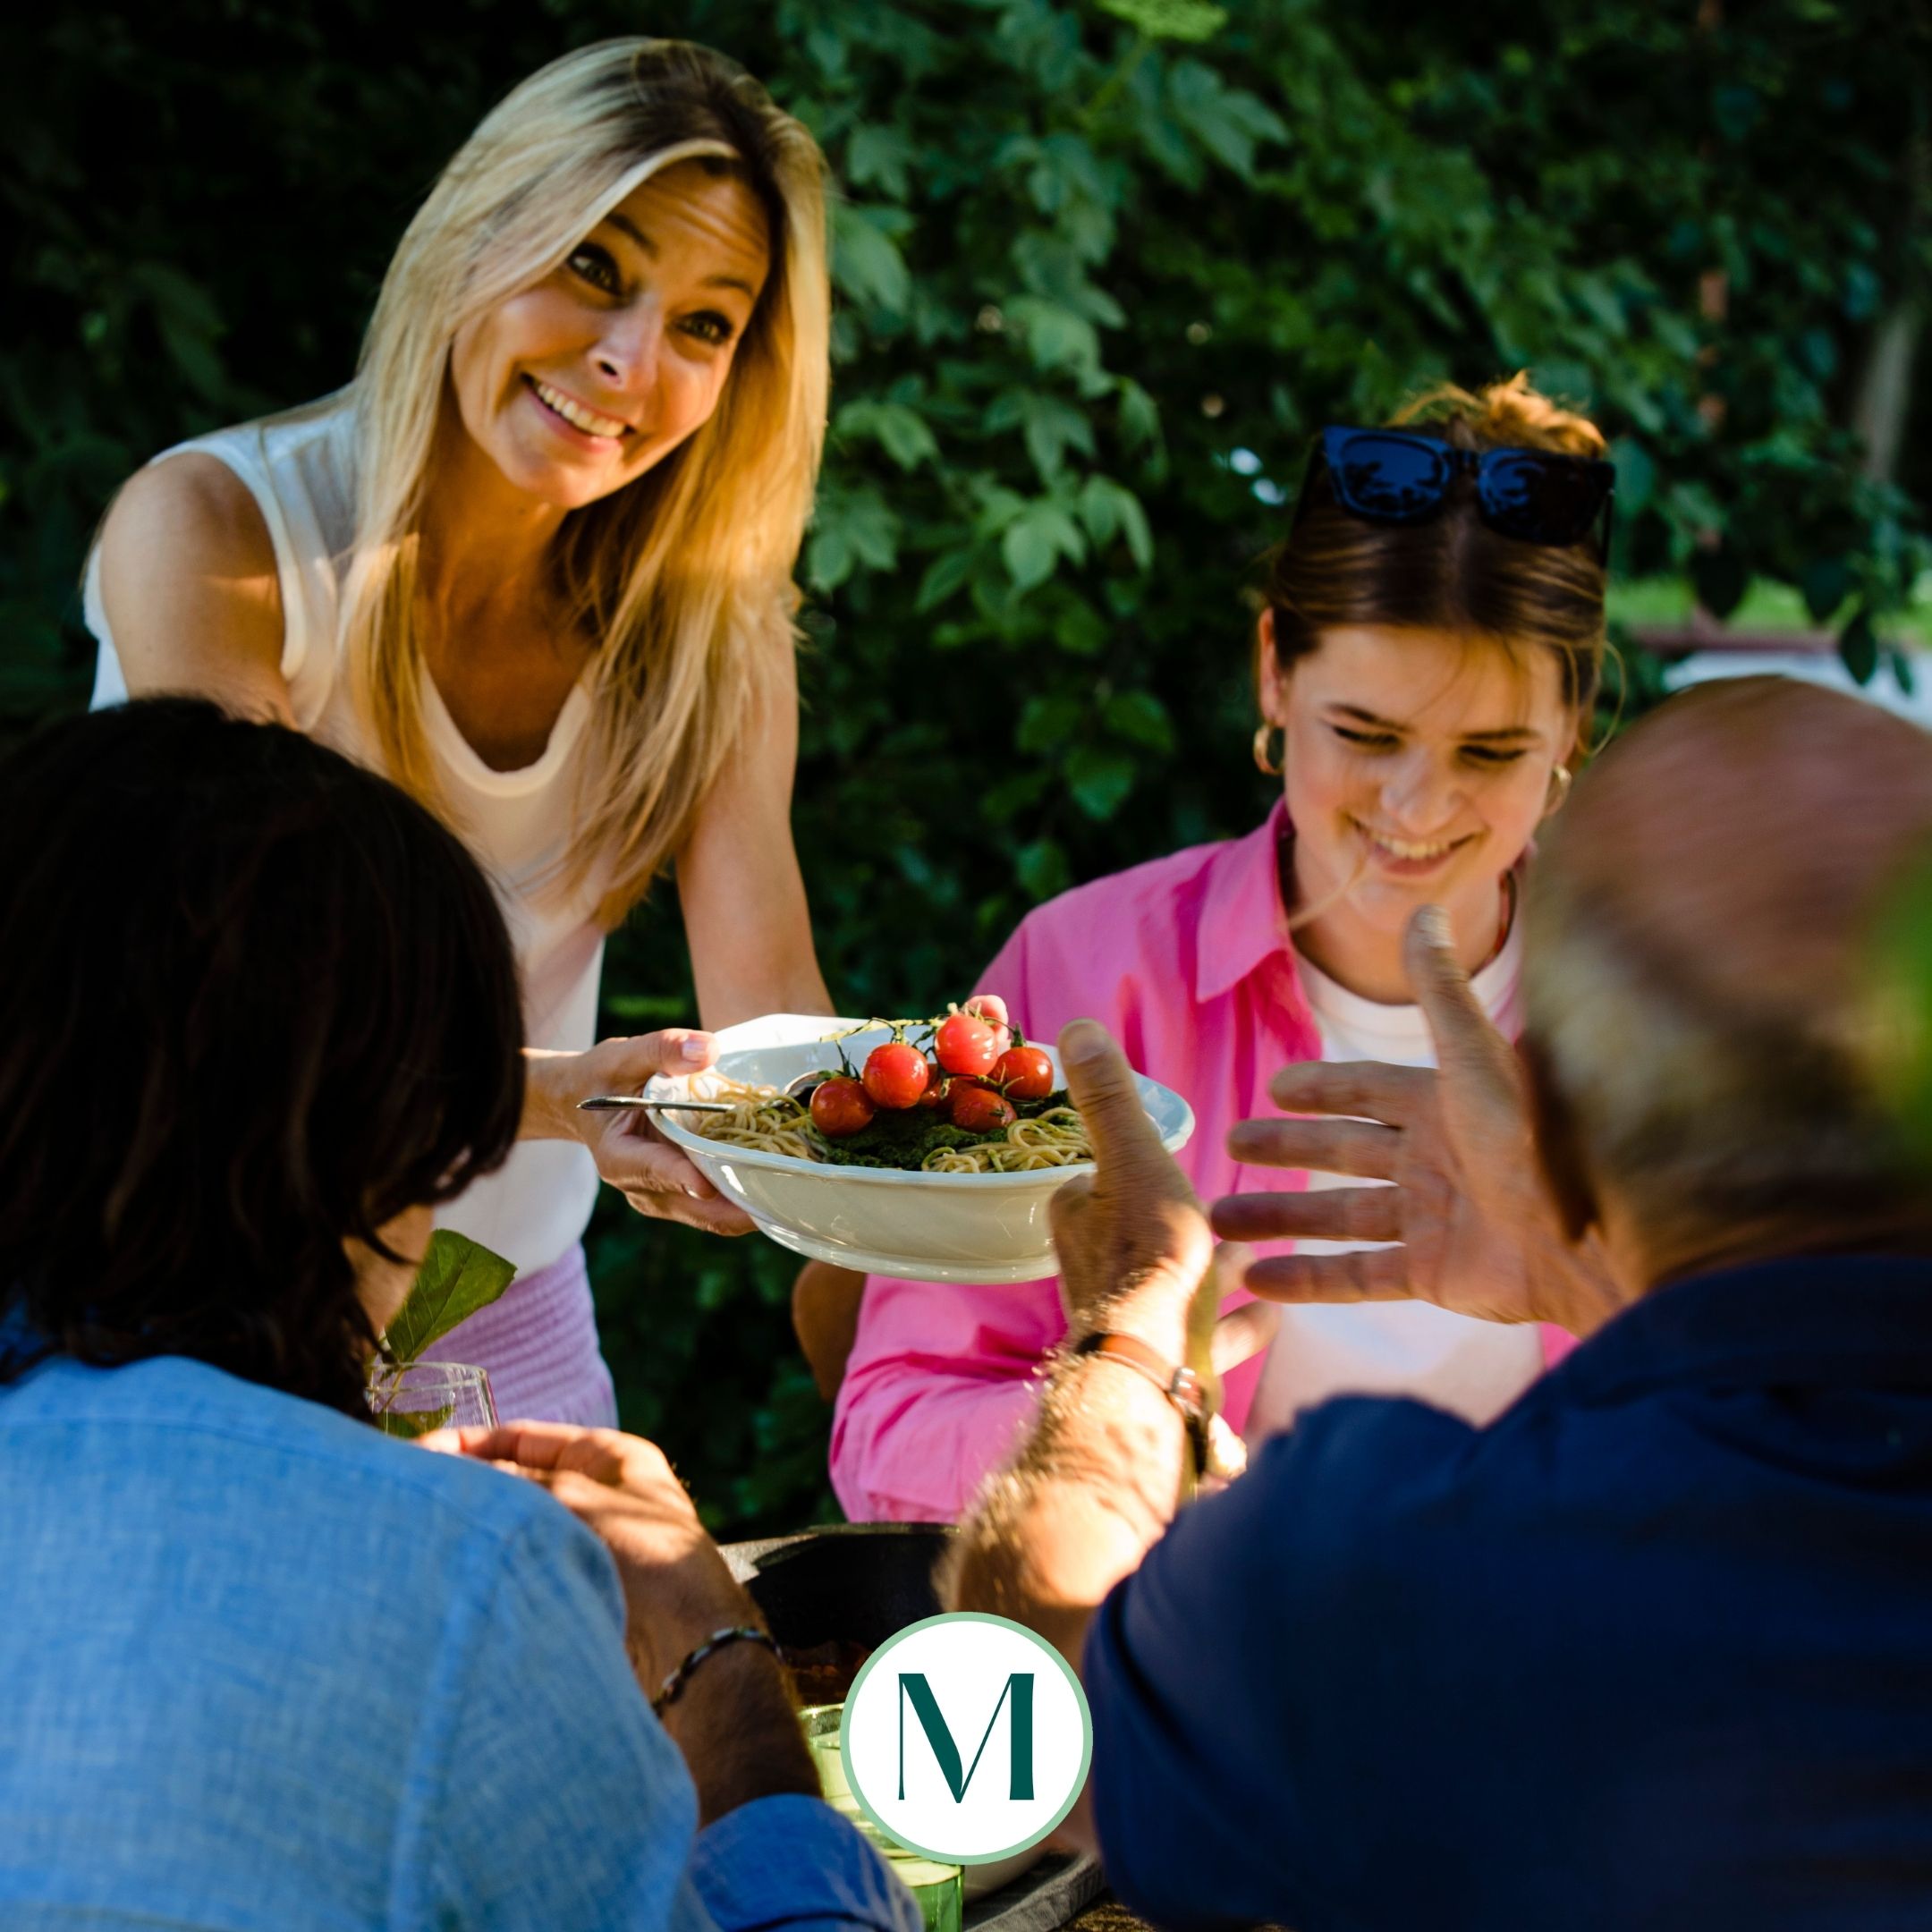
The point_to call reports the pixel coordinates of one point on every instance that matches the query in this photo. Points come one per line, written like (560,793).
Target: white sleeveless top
(516,823)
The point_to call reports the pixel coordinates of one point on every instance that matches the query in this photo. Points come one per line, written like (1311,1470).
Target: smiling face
(579,385)
(1417,765)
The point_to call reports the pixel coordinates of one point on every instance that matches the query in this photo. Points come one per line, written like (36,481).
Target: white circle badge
(966,1738)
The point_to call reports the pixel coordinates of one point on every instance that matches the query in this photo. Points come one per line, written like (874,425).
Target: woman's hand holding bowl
(630,1154)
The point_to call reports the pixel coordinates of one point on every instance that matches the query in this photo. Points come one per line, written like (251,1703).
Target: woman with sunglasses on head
(535,564)
(1426,664)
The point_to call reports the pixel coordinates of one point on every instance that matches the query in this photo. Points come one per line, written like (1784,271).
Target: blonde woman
(535,563)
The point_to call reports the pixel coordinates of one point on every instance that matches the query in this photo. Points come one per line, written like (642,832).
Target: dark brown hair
(1453,573)
(255,1001)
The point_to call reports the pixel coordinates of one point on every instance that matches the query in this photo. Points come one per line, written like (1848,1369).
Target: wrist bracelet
(1178,1383)
(673,1685)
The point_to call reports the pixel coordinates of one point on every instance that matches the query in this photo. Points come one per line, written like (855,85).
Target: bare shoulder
(189,585)
(190,513)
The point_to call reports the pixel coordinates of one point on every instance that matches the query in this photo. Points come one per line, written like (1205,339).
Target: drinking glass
(939,1889)
(429,1395)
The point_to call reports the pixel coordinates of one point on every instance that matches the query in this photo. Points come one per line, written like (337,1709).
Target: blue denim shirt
(263,1667)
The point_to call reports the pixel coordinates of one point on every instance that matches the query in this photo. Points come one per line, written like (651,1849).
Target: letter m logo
(914,1690)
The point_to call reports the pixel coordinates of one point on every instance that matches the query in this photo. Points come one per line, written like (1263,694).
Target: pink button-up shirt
(1187,963)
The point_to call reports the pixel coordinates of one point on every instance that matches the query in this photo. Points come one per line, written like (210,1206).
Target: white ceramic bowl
(949,1227)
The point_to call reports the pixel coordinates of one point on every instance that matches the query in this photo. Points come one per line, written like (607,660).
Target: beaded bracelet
(737,1633)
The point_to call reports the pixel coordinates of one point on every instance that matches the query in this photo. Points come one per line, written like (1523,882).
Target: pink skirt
(539,1344)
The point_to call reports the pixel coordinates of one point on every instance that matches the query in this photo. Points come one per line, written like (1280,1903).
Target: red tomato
(937,1089)
(979,1110)
(991,1008)
(895,1075)
(1023,1074)
(839,1106)
(965,1044)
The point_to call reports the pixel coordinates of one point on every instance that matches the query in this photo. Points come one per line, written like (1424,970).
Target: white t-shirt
(516,823)
(1473,1368)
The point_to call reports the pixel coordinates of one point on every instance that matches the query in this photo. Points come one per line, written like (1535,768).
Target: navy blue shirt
(1654,1649)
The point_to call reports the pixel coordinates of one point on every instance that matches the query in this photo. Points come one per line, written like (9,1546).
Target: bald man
(1655,1649)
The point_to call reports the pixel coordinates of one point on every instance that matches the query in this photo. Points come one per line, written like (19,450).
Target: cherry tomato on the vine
(895,1075)
(965,1044)
(938,1087)
(1023,1074)
(979,1109)
(839,1106)
(991,1008)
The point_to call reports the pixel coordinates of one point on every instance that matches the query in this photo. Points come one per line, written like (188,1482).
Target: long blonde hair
(684,576)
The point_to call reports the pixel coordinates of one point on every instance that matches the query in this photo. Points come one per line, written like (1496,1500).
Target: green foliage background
(1101,265)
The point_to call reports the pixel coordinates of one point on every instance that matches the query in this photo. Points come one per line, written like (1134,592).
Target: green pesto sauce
(903,1138)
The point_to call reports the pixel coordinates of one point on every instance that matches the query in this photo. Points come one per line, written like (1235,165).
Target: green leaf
(1056,338)
(1227,121)
(1042,868)
(878,157)
(944,575)
(1169,20)
(1722,579)
(1140,416)
(1141,718)
(410,1424)
(1857,645)
(1100,778)
(866,262)
(852,528)
(1047,720)
(903,433)
(829,559)
(1080,630)
(1035,541)
(1106,507)
(1052,427)
(1636,476)
(1826,583)
(188,324)
(457,1278)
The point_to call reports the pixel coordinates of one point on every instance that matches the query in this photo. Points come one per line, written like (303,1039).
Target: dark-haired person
(1652,1648)
(1426,664)
(263,1666)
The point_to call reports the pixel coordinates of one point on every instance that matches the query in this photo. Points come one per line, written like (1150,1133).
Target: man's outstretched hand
(1479,1228)
(1132,1242)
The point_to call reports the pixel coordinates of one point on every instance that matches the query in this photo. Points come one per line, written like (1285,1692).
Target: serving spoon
(612,1103)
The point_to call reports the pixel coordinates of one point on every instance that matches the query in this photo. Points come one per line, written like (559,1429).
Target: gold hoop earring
(1561,780)
(1263,731)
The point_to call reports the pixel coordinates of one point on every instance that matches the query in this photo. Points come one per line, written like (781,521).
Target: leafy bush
(1102,267)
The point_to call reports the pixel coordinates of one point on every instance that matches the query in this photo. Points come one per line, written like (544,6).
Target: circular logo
(966,1738)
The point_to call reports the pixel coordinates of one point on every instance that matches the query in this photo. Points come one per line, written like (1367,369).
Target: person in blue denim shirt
(263,1666)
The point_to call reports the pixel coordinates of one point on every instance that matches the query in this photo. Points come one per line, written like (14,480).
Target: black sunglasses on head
(1395,476)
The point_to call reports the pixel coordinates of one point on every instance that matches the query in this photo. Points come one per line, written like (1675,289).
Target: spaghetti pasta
(771,1122)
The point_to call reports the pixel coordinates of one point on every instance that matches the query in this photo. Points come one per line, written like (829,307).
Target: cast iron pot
(853,1583)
